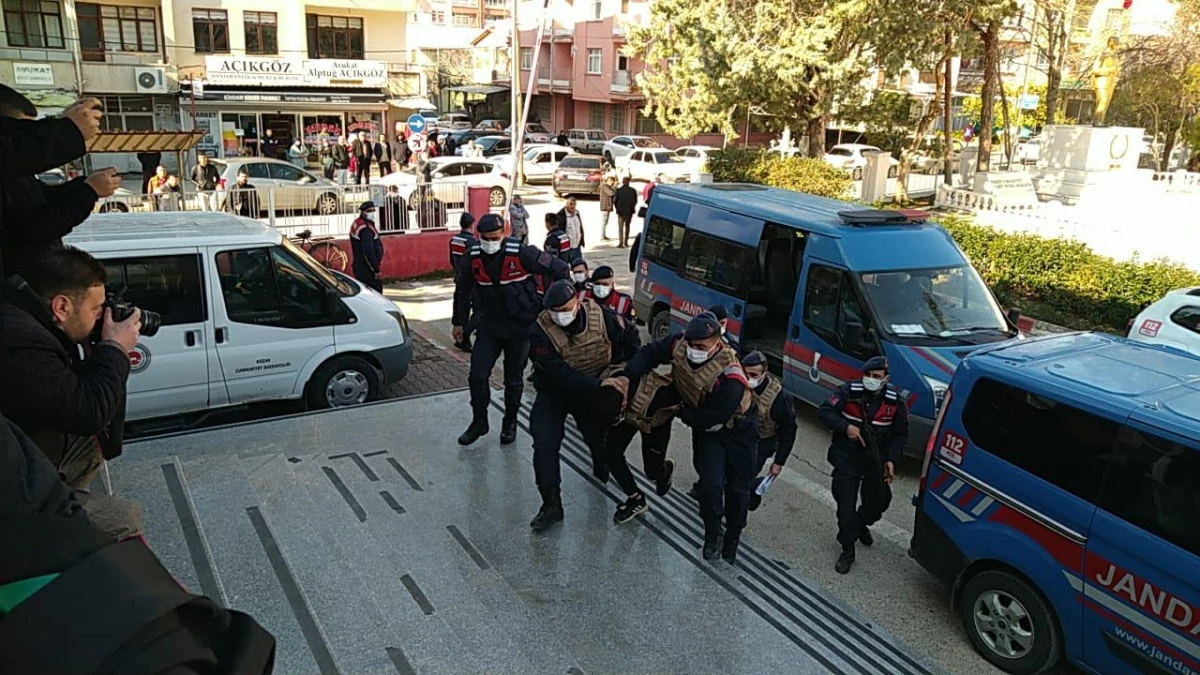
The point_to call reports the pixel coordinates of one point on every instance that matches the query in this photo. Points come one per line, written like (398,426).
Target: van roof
(118,232)
(1096,370)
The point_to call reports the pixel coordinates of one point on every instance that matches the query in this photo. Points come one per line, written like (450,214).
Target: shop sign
(33,74)
(249,97)
(284,72)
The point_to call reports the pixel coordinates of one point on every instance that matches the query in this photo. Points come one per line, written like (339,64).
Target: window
(335,37)
(595,57)
(1188,318)
(439,18)
(647,125)
(107,28)
(127,113)
(616,119)
(664,238)
(256,170)
(1113,20)
(596,115)
(464,20)
(262,32)
(1155,485)
(946,302)
(597,9)
(832,306)
(33,23)
(718,264)
(1060,444)
(210,31)
(526,58)
(288,172)
(170,285)
(271,287)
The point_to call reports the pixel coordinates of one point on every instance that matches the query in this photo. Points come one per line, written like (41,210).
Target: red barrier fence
(413,254)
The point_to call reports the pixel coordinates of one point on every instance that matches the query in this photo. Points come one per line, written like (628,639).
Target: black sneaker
(477,430)
(663,485)
(844,562)
(865,537)
(630,509)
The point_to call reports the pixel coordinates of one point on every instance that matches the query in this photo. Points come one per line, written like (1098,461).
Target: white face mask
(601,291)
(369,215)
(489,247)
(754,382)
(697,355)
(579,277)
(872,383)
(722,331)
(563,319)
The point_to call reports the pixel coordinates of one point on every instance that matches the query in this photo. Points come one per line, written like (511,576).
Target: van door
(270,321)
(1141,583)
(719,272)
(830,335)
(169,373)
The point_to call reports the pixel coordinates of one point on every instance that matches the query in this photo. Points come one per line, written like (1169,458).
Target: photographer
(72,407)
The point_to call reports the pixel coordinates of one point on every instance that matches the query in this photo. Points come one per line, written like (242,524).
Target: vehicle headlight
(402,322)
(938,387)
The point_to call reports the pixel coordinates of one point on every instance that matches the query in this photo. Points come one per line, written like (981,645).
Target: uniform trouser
(487,350)
(852,518)
(654,453)
(119,518)
(547,423)
(604,216)
(725,461)
(623,229)
(369,278)
(472,320)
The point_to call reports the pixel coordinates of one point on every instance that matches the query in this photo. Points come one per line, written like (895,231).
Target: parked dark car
(579,175)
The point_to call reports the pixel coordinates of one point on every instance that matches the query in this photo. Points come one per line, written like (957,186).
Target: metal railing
(325,210)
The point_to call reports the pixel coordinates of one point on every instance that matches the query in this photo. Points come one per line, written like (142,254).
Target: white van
(246,316)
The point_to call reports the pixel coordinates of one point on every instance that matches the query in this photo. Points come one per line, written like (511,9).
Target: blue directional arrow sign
(416,124)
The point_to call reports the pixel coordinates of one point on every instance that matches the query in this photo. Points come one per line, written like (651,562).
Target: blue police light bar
(865,217)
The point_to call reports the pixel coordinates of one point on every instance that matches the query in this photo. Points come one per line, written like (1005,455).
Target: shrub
(803,174)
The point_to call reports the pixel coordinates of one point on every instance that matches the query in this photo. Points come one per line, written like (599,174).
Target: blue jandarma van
(818,286)
(1060,500)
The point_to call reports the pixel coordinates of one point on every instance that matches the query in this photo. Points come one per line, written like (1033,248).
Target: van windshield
(947,303)
(344,288)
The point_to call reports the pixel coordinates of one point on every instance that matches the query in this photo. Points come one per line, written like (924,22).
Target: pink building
(584,81)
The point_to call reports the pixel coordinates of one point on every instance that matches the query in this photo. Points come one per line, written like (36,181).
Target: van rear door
(1141,583)
(719,256)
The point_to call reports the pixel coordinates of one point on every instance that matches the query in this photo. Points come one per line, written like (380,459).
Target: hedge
(1060,281)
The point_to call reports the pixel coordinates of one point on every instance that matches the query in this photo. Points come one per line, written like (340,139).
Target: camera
(122,310)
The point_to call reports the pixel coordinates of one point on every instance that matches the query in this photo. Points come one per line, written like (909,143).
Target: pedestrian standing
(169,195)
(503,273)
(518,219)
(363,155)
(366,247)
(562,138)
(243,198)
(269,146)
(158,180)
(205,179)
(572,224)
(341,160)
(869,420)
(575,345)
(380,151)
(459,245)
(776,420)
(325,155)
(625,201)
(608,189)
(298,154)
(149,162)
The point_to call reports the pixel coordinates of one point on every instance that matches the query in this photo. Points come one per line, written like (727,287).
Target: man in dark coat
(243,198)
(625,201)
(363,154)
(341,160)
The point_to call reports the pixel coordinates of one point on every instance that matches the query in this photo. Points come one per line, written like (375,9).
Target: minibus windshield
(950,302)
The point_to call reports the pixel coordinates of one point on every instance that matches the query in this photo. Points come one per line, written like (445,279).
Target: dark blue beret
(719,311)
(366,205)
(602,272)
(558,294)
(466,220)
(702,326)
(490,223)
(754,358)
(876,363)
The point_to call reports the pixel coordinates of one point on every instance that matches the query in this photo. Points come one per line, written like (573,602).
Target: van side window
(718,264)
(830,305)
(1156,486)
(267,286)
(1187,318)
(171,285)
(1058,443)
(664,238)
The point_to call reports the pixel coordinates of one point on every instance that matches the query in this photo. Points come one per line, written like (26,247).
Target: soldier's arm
(464,283)
(718,406)
(540,262)
(547,358)
(650,357)
(830,412)
(899,437)
(783,412)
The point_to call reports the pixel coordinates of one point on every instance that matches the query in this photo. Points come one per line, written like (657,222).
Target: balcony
(620,82)
(465,3)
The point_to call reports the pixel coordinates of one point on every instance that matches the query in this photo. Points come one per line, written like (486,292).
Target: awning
(144,141)
(412,103)
(481,89)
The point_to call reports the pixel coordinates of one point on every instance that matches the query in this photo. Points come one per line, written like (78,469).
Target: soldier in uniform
(576,345)
(869,420)
(459,245)
(366,247)
(603,290)
(722,316)
(557,243)
(500,272)
(651,410)
(776,418)
(719,407)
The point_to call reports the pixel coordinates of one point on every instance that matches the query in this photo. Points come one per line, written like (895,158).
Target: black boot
(729,546)
(477,430)
(512,404)
(551,511)
(712,542)
(844,562)
(508,431)
(865,537)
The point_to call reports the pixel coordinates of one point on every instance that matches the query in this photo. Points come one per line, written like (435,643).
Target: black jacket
(205,177)
(243,200)
(509,308)
(718,406)
(783,413)
(554,373)
(849,404)
(53,394)
(341,158)
(625,201)
(558,244)
(362,150)
(29,483)
(38,216)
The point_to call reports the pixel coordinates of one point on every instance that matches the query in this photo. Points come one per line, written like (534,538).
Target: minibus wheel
(341,382)
(660,325)
(1009,623)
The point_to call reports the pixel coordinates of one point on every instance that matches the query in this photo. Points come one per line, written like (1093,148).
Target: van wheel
(1010,624)
(660,325)
(327,204)
(341,382)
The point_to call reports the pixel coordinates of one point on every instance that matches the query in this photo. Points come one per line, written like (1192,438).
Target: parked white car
(622,146)
(1030,151)
(1174,321)
(850,156)
(663,164)
(451,176)
(695,156)
(540,163)
(454,121)
(536,133)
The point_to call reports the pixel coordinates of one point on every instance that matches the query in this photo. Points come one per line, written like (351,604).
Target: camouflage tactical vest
(767,427)
(638,412)
(694,383)
(590,352)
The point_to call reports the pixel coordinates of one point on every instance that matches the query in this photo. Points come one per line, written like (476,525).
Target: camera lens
(151,322)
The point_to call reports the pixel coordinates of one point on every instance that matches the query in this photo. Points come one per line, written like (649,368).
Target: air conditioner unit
(150,80)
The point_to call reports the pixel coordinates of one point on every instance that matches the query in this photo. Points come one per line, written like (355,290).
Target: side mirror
(1014,315)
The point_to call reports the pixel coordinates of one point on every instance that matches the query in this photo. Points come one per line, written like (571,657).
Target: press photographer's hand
(104,182)
(86,114)
(124,333)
